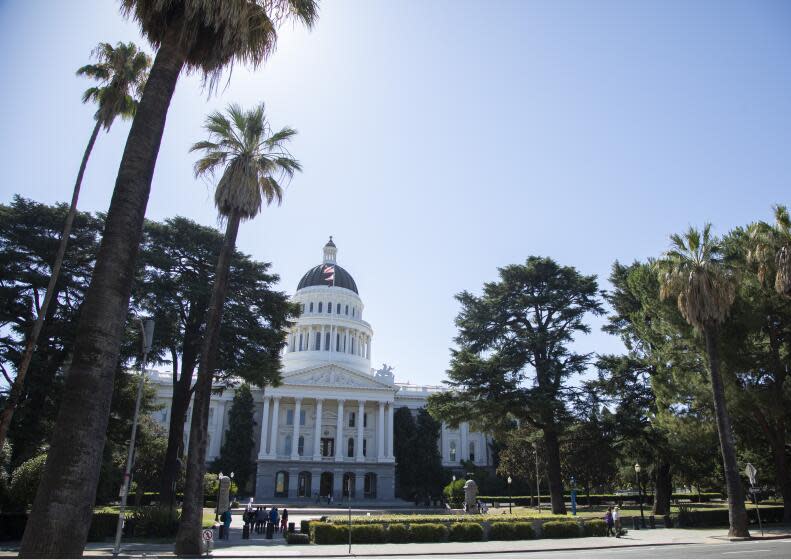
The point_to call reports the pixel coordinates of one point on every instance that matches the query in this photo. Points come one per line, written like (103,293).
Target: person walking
(260,520)
(616,518)
(227,522)
(608,520)
(274,518)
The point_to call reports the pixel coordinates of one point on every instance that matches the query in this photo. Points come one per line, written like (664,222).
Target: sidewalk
(276,548)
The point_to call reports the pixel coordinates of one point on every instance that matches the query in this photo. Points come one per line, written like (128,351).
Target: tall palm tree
(121,71)
(200,35)
(693,271)
(771,251)
(254,160)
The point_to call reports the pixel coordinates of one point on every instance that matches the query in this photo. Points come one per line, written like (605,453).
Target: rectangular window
(302,417)
(365,448)
(320,303)
(352,418)
(317,336)
(329,307)
(347,309)
(365,419)
(290,417)
(453,452)
(327,341)
(338,309)
(338,342)
(327,447)
(311,307)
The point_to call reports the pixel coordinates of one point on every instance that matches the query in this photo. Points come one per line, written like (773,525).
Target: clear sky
(442,139)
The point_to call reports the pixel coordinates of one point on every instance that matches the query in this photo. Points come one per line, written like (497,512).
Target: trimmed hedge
(560,530)
(719,517)
(327,533)
(297,538)
(465,532)
(429,532)
(304,526)
(398,533)
(414,519)
(368,534)
(103,526)
(594,528)
(511,531)
(599,499)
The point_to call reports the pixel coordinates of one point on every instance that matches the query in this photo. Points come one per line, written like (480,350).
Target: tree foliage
(236,452)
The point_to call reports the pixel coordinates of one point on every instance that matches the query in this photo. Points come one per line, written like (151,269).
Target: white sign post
(751,471)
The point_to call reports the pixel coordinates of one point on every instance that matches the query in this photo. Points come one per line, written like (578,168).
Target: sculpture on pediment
(385,374)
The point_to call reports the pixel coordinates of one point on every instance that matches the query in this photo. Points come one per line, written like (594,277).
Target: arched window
(317,337)
(320,304)
(354,309)
(351,350)
(301,345)
(365,448)
(287,445)
(281,484)
(338,309)
(352,418)
(302,309)
(303,484)
(453,451)
(348,484)
(338,342)
(301,446)
(347,309)
(327,341)
(472,451)
(369,488)
(350,448)
(311,307)
(329,307)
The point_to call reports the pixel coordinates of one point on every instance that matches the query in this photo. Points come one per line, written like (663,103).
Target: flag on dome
(329,271)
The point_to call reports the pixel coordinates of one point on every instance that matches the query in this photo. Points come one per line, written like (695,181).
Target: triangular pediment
(332,375)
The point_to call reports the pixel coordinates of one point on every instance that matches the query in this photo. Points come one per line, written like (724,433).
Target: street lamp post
(510,499)
(640,494)
(147,330)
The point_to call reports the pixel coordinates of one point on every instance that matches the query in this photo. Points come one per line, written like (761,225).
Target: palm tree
(771,251)
(254,161)
(704,285)
(188,34)
(122,71)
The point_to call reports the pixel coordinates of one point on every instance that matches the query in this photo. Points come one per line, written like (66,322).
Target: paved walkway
(276,548)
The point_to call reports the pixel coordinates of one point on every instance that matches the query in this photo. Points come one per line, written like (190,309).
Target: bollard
(291,527)
(652,521)
(636,523)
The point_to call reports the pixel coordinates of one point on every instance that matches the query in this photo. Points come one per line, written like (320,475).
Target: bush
(465,532)
(398,533)
(768,514)
(24,481)
(454,493)
(368,534)
(560,530)
(511,531)
(595,528)
(12,526)
(327,533)
(297,538)
(304,526)
(153,521)
(428,532)
(103,526)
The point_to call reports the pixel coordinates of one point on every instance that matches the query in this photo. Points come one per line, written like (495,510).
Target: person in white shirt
(616,517)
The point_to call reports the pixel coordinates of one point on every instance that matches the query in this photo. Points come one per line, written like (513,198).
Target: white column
(219,416)
(339,434)
(295,433)
(273,430)
(317,432)
(390,430)
(360,414)
(380,432)
(264,425)
(465,448)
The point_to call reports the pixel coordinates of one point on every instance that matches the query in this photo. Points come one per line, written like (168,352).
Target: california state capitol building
(330,423)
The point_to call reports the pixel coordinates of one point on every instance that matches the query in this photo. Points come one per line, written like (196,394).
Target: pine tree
(236,453)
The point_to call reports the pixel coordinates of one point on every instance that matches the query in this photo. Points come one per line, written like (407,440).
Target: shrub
(12,526)
(706,518)
(153,521)
(428,532)
(465,532)
(560,530)
(511,531)
(327,533)
(594,528)
(398,533)
(304,526)
(297,538)
(368,534)
(103,526)
(25,479)
(454,493)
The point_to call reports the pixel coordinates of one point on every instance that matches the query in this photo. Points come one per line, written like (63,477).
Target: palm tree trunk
(553,471)
(63,506)
(17,390)
(188,540)
(736,510)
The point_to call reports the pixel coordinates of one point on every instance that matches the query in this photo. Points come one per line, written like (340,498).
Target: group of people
(258,517)
(613,520)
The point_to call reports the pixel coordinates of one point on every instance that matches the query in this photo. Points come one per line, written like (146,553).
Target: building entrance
(325,486)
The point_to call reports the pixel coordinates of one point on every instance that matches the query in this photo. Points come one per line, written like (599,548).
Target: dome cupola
(328,273)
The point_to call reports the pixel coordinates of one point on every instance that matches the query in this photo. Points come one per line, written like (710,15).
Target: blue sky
(443,139)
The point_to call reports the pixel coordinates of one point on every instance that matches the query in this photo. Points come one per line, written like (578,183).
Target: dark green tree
(174,286)
(514,360)
(236,452)
(404,432)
